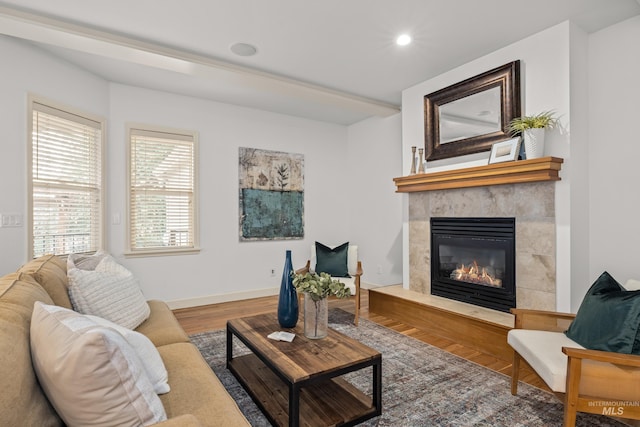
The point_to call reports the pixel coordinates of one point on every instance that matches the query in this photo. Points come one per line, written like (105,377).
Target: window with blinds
(162,191)
(66,182)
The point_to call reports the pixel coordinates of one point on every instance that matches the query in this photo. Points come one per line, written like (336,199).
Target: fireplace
(473,260)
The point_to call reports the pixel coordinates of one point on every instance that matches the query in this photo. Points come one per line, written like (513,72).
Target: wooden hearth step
(474,327)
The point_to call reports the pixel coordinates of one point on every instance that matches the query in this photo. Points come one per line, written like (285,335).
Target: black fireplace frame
(496,232)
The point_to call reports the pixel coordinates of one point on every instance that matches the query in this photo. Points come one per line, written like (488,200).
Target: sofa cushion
(50,272)
(608,318)
(196,390)
(90,373)
(146,351)
(110,291)
(332,261)
(22,400)
(162,327)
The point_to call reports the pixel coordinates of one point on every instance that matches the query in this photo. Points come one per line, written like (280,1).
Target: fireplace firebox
(473,260)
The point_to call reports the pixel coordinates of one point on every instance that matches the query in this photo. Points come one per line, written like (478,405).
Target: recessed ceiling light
(243,49)
(403,40)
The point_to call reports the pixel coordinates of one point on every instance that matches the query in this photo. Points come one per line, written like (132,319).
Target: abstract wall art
(271,195)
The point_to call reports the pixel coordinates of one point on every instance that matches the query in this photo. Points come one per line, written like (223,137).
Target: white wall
(578,170)
(336,208)
(614,174)
(375,158)
(26,69)
(227,268)
(546,85)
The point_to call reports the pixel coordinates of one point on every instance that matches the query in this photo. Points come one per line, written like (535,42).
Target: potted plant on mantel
(533,129)
(317,288)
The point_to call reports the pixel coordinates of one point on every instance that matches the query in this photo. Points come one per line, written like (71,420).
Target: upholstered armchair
(593,381)
(332,258)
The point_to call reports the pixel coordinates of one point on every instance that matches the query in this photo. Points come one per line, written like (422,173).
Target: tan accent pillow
(50,271)
(90,373)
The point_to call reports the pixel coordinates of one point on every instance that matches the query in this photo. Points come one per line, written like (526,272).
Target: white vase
(534,143)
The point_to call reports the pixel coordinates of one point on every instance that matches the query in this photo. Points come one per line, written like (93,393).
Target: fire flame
(475,274)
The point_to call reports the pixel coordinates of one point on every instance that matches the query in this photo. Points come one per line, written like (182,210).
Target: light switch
(11,220)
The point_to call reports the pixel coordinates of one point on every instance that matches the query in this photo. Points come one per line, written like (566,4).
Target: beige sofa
(197,398)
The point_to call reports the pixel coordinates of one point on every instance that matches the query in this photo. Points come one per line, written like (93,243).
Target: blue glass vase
(288,300)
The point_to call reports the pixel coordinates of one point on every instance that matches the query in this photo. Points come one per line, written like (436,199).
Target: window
(66,190)
(162,191)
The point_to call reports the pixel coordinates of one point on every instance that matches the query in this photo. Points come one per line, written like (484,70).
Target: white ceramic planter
(534,143)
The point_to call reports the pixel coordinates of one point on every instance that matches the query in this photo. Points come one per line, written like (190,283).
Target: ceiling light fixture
(403,40)
(243,49)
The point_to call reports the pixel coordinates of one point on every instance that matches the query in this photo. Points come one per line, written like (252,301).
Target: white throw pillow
(110,291)
(85,262)
(146,351)
(90,374)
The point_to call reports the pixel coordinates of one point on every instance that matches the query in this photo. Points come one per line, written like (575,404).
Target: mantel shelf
(541,169)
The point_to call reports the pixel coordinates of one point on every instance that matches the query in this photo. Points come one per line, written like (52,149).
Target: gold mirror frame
(506,77)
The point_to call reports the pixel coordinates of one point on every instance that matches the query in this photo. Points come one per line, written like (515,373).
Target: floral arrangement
(320,286)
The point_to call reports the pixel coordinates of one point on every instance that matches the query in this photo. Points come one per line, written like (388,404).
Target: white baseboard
(368,285)
(237,296)
(216,299)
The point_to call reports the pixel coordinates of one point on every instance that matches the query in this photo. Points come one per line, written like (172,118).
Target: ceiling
(329,60)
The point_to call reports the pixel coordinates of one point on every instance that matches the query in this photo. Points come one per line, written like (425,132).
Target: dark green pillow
(332,261)
(608,318)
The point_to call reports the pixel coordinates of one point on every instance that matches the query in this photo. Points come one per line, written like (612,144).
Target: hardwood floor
(211,317)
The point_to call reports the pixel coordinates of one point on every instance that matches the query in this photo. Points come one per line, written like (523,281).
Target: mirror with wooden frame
(470,116)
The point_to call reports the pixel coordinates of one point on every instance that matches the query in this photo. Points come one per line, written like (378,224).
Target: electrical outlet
(273,272)
(379,269)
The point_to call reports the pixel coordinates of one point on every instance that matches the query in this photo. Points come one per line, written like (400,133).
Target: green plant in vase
(544,120)
(317,288)
(532,129)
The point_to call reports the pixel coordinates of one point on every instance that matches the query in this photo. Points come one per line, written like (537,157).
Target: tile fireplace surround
(532,205)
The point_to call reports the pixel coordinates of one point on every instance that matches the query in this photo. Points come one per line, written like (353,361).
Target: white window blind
(66,182)
(162,184)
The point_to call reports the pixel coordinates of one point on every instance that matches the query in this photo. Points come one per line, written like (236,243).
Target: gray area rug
(422,385)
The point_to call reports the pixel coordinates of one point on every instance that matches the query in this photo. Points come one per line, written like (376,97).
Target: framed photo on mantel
(506,151)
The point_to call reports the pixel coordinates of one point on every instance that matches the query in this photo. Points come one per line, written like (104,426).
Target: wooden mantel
(541,169)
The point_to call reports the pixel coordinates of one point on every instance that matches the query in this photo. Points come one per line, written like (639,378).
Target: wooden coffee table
(298,383)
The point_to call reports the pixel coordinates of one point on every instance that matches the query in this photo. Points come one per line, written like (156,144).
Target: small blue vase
(288,300)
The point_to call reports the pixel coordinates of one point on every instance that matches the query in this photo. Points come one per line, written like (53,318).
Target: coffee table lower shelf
(332,402)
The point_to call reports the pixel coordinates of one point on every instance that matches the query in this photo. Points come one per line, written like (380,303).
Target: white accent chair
(354,267)
(598,382)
